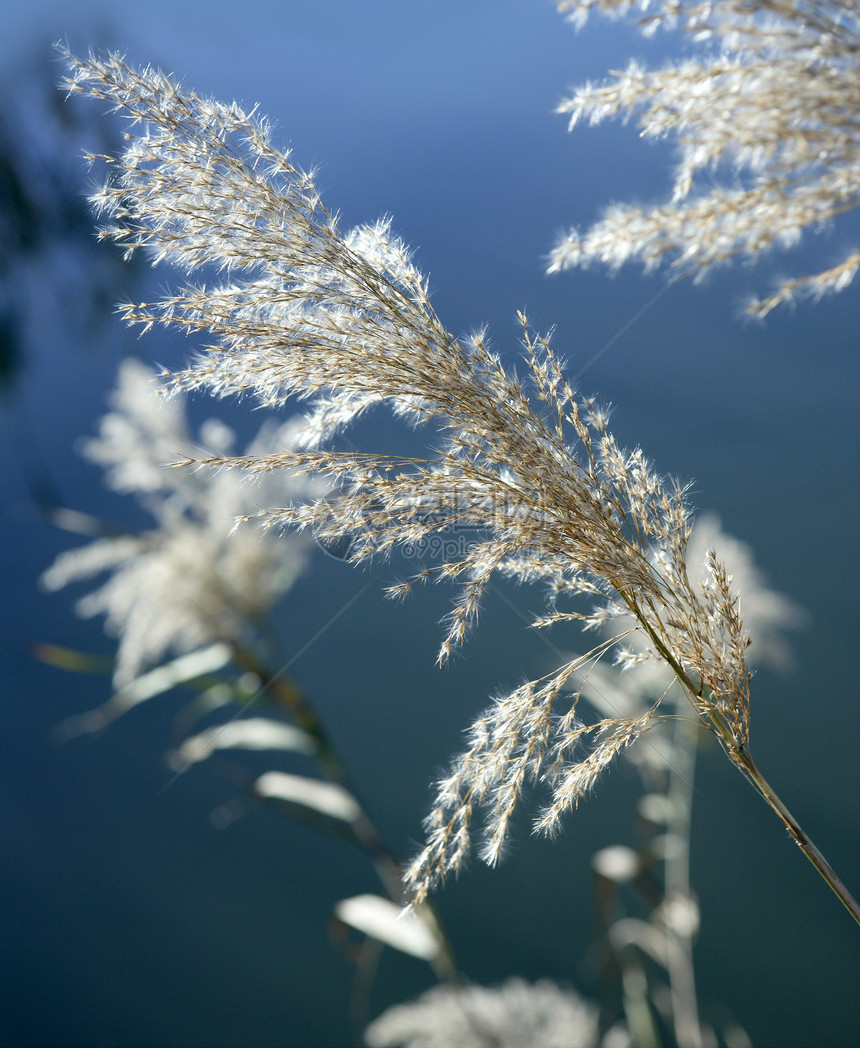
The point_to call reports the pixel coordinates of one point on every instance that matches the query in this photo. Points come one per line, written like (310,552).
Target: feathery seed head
(775,96)
(530,467)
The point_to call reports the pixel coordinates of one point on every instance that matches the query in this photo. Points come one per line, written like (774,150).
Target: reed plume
(343,320)
(771,99)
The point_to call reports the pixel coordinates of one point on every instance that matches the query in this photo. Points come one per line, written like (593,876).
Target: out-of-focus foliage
(50,259)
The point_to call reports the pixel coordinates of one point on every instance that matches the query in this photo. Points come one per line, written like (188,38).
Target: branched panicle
(775,95)
(344,319)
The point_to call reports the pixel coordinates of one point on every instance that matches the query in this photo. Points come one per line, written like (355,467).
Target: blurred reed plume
(342,320)
(190,578)
(189,600)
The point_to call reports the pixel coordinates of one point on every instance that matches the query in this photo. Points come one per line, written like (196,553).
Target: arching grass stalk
(343,319)
(715,720)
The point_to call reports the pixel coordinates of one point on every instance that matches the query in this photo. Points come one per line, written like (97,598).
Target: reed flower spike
(343,319)
(772,98)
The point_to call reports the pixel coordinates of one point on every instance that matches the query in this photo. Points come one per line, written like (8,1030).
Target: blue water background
(128,919)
